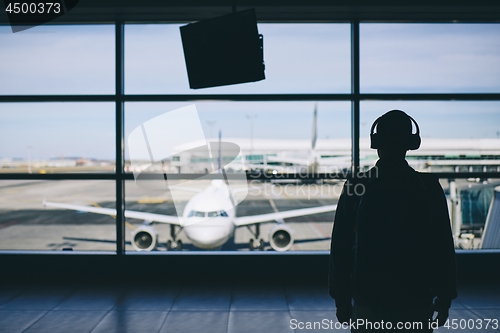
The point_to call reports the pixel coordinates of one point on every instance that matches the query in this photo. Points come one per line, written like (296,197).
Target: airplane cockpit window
(209,214)
(213,214)
(196,214)
(199,214)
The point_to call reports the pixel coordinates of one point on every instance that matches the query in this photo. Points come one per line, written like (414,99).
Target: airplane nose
(208,234)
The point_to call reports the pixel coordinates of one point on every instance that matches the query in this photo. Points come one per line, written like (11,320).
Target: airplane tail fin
(315,128)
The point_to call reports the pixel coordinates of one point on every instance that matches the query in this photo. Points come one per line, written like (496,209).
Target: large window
(300,58)
(83,113)
(57,60)
(40,138)
(430,58)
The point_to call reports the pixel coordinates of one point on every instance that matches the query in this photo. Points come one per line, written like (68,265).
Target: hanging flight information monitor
(223,51)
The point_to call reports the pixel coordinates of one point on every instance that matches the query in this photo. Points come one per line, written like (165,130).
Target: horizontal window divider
(432,97)
(194,176)
(253,97)
(37,253)
(239,97)
(56,98)
(465,175)
(58,176)
(175,98)
(333,176)
(237,176)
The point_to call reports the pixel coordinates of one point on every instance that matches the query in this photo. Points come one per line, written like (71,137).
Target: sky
(300,58)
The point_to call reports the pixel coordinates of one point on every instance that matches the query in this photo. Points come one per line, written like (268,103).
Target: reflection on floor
(200,308)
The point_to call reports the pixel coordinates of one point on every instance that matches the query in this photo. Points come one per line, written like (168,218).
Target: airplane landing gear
(174,244)
(257,243)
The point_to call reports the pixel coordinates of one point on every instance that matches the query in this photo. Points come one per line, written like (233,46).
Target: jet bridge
(491,234)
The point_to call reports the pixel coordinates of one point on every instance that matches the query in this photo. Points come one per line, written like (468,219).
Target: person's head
(391,134)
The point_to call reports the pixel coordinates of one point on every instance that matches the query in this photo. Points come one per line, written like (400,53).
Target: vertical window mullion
(355,96)
(119,115)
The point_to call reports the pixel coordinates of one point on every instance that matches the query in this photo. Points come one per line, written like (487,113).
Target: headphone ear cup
(374,139)
(414,142)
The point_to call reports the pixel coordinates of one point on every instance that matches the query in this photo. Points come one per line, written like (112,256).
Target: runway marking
(151,200)
(320,229)
(275,209)
(12,191)
(273,205)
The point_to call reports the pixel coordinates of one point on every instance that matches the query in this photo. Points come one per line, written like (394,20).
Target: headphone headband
(414,138)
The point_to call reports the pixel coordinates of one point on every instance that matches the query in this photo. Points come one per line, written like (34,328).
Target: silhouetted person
(392,249)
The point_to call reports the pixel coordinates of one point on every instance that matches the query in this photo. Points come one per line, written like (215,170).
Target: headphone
(412,141)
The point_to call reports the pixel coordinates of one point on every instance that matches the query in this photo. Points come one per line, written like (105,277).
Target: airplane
(208,220)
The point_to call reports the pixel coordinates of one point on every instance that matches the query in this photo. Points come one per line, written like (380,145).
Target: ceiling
(281,10)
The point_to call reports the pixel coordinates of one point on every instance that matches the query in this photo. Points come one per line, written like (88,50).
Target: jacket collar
(392,164)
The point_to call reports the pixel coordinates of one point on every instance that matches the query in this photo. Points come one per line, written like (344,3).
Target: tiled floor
(211,308)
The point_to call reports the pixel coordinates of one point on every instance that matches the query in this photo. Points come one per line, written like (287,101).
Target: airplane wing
(246,220)
(109,211)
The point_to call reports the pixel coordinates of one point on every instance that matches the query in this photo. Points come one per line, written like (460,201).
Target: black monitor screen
(224,50)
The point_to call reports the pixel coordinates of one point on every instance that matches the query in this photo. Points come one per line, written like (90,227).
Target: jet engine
(281,237)
(144,238)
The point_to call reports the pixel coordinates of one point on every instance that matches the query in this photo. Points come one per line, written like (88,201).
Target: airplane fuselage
(208,217)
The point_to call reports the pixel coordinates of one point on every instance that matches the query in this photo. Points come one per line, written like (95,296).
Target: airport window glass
(51,215)
(49,138)
(54,59)
(300,58)
(416,58)
(456,136)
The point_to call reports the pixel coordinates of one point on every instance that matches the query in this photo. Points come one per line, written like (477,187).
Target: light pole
(211,124)
(29,159)
(251,117)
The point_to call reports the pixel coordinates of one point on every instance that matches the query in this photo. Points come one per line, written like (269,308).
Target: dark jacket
(408,270)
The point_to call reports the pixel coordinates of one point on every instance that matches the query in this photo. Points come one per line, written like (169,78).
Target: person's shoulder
(430,180)
(428,177)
